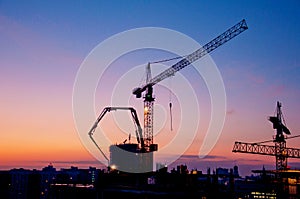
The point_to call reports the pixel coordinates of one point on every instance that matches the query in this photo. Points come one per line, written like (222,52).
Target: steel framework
(243,147)
(150,82)
(279,150)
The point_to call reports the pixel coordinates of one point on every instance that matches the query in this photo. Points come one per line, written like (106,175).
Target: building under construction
(129,158)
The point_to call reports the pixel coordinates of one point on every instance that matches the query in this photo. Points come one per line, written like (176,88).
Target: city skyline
(45,43)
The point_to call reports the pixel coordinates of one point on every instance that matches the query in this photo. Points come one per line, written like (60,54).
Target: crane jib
(207,48)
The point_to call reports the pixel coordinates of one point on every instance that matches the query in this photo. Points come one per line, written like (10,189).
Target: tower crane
(140,159)
(279,150)
(189,59)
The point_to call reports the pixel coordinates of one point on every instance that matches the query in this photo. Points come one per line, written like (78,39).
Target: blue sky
(43,44)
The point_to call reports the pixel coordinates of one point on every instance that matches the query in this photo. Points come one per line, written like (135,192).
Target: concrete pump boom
(138,131)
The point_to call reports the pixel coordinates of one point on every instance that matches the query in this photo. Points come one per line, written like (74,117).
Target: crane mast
(148,113)
(150,82)
(279,150)
(279,139)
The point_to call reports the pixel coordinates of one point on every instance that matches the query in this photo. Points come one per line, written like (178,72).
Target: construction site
(136,159)
(130,171)
(149,99)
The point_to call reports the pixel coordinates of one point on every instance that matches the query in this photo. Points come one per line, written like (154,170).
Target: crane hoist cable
(171,122)
(166,60)
(170,104)
(273,139)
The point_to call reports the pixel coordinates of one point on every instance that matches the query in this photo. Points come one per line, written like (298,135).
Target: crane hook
(170,105)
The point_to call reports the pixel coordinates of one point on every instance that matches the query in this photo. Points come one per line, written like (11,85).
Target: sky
(44,43)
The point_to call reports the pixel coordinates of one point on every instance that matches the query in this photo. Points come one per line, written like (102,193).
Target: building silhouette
(179,182)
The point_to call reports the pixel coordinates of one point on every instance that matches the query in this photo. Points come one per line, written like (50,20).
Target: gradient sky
(43,43)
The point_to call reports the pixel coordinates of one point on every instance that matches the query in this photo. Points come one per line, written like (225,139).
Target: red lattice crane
(279,150)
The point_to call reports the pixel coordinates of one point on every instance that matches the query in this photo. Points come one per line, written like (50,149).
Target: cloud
(294,165)
(276,90)
(256,79)
(230,112)
(78,163)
